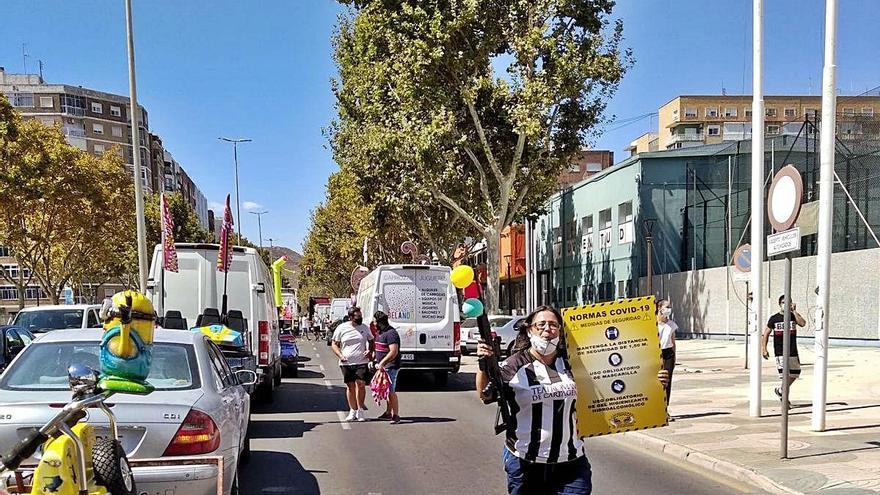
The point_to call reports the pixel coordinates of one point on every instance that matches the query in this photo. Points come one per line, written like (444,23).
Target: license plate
(407,357)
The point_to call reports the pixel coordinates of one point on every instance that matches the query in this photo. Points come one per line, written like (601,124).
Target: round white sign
(784,199)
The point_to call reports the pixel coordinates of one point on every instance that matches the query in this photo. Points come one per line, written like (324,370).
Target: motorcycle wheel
(112,470)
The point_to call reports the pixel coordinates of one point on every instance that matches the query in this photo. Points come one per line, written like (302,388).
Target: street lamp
(648,226)
(235,158)
(259,215)
(140,219)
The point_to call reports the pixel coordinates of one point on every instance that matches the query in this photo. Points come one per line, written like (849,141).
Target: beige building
(91,120)
(693,120)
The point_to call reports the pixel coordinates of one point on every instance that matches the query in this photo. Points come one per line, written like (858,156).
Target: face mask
(667,312)
(544,347)
(358,320)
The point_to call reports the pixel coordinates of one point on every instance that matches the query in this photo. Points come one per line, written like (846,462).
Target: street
(443,445)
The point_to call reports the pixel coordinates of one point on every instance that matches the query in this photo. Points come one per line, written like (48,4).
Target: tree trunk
(493,242)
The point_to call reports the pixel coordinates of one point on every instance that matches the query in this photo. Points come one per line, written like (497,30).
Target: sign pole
(786,354)
(746,366)
(757,207)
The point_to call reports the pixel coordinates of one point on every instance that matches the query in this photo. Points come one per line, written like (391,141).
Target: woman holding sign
(543,450)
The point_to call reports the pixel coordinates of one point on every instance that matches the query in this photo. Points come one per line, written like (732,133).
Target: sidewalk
(713,428)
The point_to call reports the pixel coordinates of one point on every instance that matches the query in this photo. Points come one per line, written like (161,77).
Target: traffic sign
(784,199)
(784,242)
(742,258)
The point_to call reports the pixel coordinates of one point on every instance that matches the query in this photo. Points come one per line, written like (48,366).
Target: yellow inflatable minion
(127,345)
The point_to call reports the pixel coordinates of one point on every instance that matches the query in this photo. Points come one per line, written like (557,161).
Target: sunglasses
(541,325)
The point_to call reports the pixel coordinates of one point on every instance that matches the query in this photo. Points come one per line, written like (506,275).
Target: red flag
(169,253)
(224,258)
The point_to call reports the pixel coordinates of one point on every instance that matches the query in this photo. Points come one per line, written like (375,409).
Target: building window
(849,112)
(730,111)
(116,131)
(99,149)
(46,102)
(770,112)
(73,105)
(47,121)
(8,293)
(115,111)
(587,234)
(790,113)
(11,271)
(711,111)
(747,111)
(97,107)
(574,168)
(594,167)
(713,130)
(772,129)
(4,251)
(625,231)
(605,229)
(21,99)
(690,112)
(34,293)
(868,111)
(98,129)
(810,112)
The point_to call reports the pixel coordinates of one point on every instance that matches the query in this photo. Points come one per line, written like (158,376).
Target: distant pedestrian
(388,359)
(776,325)
(304,325)
(666,329)
(353,344)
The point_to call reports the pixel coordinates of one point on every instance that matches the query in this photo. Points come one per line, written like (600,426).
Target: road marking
(328,384)
(342,422)
(322,368)
(317,355)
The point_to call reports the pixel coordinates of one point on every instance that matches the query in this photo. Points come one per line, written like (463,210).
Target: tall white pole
(136,155)
(728,247)
(826,194)
(757,205)
(529,276)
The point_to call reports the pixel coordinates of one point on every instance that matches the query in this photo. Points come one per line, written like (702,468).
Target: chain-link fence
(717,211)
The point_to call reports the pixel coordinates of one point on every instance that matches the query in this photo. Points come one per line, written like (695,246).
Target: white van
(197,289)
(339,308)
(422,304)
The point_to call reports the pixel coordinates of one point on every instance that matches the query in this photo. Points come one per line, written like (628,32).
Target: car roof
(94,334)
(60,306)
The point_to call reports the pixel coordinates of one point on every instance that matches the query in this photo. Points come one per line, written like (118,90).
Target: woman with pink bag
(387,347)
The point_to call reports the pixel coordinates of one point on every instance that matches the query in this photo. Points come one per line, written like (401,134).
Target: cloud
(250,205)
(216,206)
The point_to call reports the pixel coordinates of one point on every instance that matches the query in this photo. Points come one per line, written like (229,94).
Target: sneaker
(352,415)
(778,392)
(360,415)
(385,416)
(395,419)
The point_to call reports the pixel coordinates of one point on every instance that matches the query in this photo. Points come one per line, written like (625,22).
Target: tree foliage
(472,106)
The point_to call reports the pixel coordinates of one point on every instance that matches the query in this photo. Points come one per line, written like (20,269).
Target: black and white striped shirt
(544,421)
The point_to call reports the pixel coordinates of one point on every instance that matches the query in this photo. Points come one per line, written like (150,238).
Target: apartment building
(584,165)
(693,120)
(176,179)
(93,121)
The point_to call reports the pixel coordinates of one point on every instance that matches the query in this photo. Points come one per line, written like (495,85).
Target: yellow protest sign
(615,356)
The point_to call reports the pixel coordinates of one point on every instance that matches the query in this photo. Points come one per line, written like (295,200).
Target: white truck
(339,308)
(194,297)
(422,304)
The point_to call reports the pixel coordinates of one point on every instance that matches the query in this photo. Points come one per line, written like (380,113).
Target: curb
(697,458)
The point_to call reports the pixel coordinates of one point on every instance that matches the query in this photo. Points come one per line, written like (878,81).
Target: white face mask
(667,312)
(544,347)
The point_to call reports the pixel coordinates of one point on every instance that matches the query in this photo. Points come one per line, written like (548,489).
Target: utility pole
(757,204)
(237,198)
(259,215)
(134,114)
(826,195)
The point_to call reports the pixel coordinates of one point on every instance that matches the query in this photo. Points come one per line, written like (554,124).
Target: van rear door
(397,299)
(434,320)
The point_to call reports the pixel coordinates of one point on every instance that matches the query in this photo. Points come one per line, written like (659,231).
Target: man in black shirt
(776,325)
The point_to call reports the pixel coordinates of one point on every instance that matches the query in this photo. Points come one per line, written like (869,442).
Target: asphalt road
(444,445)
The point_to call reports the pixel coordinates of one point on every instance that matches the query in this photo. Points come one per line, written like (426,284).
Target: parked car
(194,296)
(13,340)
(199,406)
(504,326)
(39,319)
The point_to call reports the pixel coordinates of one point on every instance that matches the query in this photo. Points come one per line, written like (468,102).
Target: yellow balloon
(462,276)
(115,345)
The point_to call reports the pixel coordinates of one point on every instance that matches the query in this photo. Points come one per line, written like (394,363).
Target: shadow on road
(280,429)
(277,472)
(410,420)
(300,397)
(304,373)
(417,382)
(701,415)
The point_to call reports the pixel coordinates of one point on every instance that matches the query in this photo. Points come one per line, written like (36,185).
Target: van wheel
(441,378)
(277,376)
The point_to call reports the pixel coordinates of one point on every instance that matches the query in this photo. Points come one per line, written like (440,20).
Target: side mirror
(259,288)
(251,377)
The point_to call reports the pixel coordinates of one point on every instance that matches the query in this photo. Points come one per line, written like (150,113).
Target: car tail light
(198,434)
(456,337)
(264,342)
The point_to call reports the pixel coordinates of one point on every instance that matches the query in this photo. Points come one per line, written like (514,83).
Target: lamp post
(235,158)
(136,155)
(507,258)
(259,215)
(648,226)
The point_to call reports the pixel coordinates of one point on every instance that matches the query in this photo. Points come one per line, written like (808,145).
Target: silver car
(504,326)
(199,406)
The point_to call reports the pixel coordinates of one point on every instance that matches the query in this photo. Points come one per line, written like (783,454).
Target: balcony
(72,110)
(686,137)
(74,132)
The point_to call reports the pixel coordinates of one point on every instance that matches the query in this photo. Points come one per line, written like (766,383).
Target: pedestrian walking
(353,344)
(388,359)
(776,325)
(303,325)
(666,329)
(544,453)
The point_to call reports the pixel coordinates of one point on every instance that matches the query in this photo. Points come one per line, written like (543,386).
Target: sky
(262,70)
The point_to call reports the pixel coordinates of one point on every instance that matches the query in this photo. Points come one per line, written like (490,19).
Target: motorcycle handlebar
(23,451)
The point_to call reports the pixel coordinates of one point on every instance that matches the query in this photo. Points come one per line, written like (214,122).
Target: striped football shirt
(544,419)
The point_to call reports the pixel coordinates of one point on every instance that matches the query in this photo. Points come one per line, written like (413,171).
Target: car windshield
(498,322)
(49,319)
(494,322)
(44,366)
